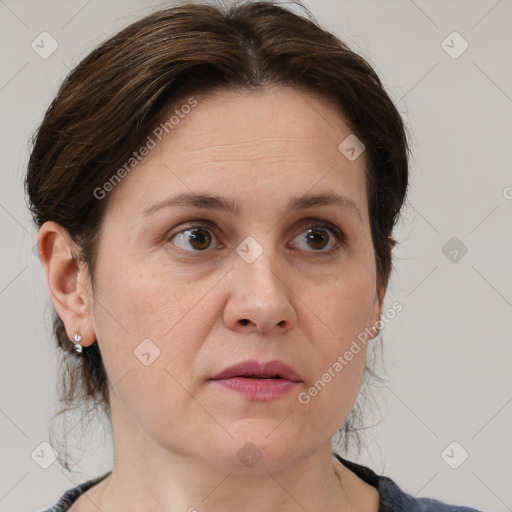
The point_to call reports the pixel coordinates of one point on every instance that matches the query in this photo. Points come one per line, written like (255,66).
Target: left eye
(318,237)
(200,238)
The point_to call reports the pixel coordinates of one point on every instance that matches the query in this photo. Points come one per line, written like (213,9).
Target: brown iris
(200,238)
(315,236)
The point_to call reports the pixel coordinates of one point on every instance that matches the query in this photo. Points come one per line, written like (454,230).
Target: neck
(149,475)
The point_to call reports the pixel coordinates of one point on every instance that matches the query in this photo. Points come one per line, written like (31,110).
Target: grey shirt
(392,498)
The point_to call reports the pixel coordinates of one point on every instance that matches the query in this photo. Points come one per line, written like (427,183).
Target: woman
(215,193)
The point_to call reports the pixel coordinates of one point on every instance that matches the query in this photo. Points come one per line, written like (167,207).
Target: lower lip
(259,389)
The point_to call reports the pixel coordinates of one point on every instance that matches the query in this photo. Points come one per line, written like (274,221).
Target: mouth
(260,377)
(253,369)
(257,381)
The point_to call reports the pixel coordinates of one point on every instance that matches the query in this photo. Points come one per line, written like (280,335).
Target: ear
(67,280)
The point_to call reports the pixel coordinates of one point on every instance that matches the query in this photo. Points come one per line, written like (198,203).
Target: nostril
(244,321)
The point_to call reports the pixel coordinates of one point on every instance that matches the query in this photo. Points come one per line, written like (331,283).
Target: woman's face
(185,290)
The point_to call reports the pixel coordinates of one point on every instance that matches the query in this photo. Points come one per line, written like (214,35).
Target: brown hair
(110,103)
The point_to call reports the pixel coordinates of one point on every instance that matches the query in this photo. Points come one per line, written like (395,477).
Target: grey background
(447,354)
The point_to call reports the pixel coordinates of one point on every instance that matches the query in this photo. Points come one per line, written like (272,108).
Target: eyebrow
(213,202)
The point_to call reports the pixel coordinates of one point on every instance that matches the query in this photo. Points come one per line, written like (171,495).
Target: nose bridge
(259,295)
(257,263)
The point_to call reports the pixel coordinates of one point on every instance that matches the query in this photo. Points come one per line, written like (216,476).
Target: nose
(260,298)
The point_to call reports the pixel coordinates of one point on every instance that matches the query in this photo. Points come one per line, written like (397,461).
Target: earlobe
(67,281)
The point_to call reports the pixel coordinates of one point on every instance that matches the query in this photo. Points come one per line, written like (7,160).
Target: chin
(260,450)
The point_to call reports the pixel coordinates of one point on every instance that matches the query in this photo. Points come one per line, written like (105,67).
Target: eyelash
(338,236)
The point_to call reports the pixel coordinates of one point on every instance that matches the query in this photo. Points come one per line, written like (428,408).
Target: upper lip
(256,368)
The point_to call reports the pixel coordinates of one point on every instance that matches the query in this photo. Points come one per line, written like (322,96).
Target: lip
(238,378)
(256,368)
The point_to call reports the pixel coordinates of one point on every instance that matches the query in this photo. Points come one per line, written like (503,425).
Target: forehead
(277,115)
(241,142)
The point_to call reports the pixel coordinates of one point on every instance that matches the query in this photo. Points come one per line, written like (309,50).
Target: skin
(176,435)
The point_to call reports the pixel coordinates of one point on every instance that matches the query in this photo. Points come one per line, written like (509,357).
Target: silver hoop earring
(78,339)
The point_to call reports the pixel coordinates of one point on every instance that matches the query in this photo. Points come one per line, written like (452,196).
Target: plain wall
(447,355)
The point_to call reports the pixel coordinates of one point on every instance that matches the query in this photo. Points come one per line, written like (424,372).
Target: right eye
(199,238)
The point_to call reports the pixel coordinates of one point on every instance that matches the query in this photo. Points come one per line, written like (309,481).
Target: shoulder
(393,499)
(71,495)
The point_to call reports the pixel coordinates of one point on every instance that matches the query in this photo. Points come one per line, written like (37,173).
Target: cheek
(335,323)
(354,309)
(145,310)
(143,301)
(344,307)
(327,401)
(156,315)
